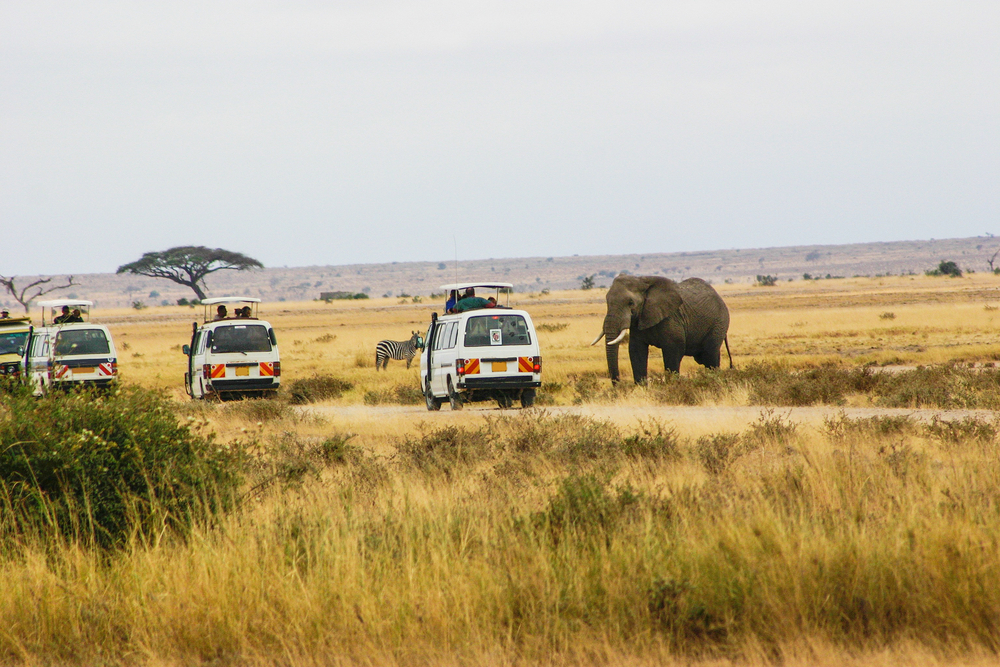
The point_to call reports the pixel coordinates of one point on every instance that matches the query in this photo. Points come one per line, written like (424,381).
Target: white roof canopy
(228,299)
(463,286)
(59,303)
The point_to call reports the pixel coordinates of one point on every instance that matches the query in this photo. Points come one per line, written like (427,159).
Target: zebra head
(417,340)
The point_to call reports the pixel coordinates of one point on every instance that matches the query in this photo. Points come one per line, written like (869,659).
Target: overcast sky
(306,133)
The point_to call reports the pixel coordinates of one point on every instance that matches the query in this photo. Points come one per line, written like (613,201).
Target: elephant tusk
(617,340)
(597,339)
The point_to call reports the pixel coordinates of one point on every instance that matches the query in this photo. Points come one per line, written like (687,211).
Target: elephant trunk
(612,352)
(616,325)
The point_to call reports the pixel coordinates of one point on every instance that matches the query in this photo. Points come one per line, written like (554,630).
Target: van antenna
(455,241)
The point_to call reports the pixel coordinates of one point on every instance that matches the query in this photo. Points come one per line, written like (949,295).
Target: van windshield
(13,343)
(241,338)
(81,341)
(491,330)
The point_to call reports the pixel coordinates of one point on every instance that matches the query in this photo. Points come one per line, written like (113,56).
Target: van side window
(439,334)
(453,339)
(199,343)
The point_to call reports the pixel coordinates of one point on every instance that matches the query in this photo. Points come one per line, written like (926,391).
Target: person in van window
(75,316)
(452,300)
(4,314)
(64,317)
(221,313)
(470,303)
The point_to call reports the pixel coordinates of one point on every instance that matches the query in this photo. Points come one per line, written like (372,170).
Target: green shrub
(842,427)
(316,388)
(399,394)
(715,451)
(99,466)
(287,460)
(444,448)
(583,504)
(656,442)
(769,429)
(257,410)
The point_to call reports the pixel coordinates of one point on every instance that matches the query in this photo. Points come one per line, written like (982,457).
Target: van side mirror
(186,349)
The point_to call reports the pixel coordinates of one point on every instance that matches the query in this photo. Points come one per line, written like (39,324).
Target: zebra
(398,350)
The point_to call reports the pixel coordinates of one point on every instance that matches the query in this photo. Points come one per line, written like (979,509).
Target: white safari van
(70,351)
(233,353)
(478,352)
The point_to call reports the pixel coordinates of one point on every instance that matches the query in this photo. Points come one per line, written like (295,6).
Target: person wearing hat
(4,314)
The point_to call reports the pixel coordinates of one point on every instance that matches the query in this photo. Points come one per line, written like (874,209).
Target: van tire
(453,398)
(433,403)
(527,398)
(505,401)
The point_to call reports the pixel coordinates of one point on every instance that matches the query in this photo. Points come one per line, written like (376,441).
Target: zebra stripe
(398,350)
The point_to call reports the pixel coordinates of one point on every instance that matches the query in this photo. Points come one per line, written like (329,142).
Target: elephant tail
(728,352)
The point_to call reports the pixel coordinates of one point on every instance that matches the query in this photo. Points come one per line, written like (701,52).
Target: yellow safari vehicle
(14,335)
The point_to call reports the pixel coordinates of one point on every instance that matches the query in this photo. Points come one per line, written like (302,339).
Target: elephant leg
(709,357)
(672,359)
(638,354)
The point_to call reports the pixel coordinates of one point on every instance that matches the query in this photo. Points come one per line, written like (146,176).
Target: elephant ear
(662,300)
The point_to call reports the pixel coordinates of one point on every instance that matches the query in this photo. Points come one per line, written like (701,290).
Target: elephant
(688,318)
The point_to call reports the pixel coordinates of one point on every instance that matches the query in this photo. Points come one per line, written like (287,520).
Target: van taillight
(536,364)
(460,367)
(277,369)
(114,368)
(206,371)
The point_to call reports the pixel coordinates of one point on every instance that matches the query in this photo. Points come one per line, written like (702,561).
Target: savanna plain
(832,499)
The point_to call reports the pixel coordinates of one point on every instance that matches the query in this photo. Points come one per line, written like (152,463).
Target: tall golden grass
(557,539)
(482,537)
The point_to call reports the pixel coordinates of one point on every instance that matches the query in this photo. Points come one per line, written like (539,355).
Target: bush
(258,410)
(316,388)
(767,281)
(583,505)
(946,268)
(99,466)
(400,394)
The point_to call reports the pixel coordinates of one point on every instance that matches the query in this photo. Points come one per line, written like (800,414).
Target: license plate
(499,366)
(83,371)
(242,371)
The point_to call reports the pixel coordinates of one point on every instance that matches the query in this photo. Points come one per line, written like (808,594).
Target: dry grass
(392,535)
(797,325)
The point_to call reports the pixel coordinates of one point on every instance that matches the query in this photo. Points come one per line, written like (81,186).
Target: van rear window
(241,338)
(81,341)
(492,330)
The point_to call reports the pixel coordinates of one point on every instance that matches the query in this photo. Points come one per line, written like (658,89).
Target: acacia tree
(188,265)
(28,293)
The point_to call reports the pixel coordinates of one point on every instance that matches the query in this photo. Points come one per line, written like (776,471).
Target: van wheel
(433,403)
(505,401)
(453,398)
(527,398)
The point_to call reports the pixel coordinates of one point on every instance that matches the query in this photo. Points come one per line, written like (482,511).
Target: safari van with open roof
(14,334)
(480,351)
(232,353)
(69,350)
